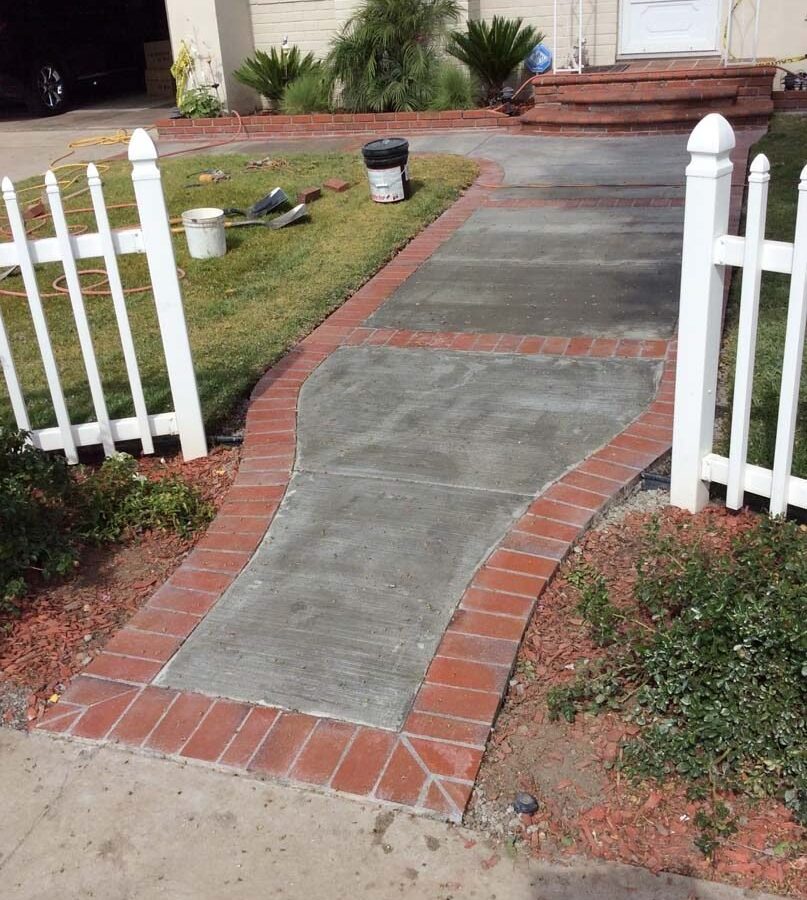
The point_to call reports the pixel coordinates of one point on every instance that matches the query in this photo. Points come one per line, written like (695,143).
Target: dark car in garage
(51,49)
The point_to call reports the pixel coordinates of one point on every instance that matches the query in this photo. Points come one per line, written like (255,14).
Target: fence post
(706,217)
(167,295)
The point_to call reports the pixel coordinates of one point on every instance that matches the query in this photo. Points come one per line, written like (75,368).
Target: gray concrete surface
(411,465)
(29,145)
(606,272)
(83,823)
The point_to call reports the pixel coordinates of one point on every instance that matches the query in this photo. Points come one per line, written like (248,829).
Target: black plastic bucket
(387,170)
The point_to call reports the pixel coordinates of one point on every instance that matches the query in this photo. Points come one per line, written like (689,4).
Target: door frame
(669,54)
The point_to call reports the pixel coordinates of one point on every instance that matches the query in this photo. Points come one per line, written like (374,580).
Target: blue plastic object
(539,60)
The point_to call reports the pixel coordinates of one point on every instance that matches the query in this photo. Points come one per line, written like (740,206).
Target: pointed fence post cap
(7,185)
(712,135)
(141,146)
(803,185)
(51,181)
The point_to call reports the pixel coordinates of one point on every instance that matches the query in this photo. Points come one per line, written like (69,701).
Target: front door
(669,26)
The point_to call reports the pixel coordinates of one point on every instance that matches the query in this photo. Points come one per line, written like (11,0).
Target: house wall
(219,32)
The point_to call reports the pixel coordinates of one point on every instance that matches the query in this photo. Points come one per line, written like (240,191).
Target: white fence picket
(167,295)
(154,239)
(119,305)
(28,273)
(792,360)
(73,282)
(755,219)
(12,380)
(707,250)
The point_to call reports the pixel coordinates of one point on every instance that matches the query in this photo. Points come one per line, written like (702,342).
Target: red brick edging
(431,764)
(332,124)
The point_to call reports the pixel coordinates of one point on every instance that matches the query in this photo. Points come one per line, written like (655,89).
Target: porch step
(650,100)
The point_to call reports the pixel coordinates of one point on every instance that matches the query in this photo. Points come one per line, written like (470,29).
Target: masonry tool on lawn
(272,201)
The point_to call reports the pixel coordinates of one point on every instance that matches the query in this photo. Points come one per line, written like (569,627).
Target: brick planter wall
(784,101)
(331,124)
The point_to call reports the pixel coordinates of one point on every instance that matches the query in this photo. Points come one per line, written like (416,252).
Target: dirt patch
(586,805)
(63,624)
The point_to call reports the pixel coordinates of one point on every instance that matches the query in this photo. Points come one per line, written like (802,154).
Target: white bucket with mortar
(204,231)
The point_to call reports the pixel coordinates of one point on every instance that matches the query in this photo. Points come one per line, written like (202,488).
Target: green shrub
(270,73)
(385,58)
(309,93)
(47,512)
(719,681)
(115,499)
(454,89)
(200,103)
(33,535)
(493,51)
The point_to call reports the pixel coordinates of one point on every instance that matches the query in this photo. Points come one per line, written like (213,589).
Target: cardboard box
(158,55)
(160,85)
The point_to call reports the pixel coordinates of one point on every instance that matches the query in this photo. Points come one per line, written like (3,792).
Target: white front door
(669,26)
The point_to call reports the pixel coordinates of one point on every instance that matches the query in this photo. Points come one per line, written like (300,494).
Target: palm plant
(454,88)
(385,57)
(270,73)
(492,51)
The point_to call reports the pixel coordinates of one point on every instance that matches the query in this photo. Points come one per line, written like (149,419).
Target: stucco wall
(220,34)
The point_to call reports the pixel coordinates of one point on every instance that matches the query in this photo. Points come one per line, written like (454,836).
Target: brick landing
(430,765)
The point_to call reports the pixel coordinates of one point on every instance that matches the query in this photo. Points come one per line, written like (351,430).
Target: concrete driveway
(28,146)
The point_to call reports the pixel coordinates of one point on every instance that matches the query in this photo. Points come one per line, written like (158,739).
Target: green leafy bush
(33,532)
(454,89)
(310,93)
(116,498)
(270,73)
(718,680)
(47,512)
(385,58)
(493,51)
(200,103)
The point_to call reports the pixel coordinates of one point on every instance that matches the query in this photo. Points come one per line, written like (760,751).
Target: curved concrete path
(413,463)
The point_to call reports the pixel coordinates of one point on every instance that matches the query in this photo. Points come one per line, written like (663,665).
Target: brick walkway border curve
(431,764)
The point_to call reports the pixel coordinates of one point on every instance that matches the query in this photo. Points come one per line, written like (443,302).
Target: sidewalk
(413,472)
(90,822)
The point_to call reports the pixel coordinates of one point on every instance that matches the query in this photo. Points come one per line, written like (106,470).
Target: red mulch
(64,623)
(586,806)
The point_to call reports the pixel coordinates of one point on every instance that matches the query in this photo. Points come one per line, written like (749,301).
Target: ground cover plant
(710,651)
(785,145)
(49,512)
(245,309)
(657,706)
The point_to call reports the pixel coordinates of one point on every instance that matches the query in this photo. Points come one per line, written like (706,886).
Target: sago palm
(385,57)
(270,73)
(492,51)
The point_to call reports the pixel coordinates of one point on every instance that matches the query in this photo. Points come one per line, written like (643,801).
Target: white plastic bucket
(204,231)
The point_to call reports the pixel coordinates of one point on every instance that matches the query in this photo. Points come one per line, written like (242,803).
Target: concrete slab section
(411,466)
(495,422)
(610,272)
(543,159)
(343,606)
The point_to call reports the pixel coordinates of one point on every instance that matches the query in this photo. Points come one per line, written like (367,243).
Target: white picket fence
(707,252)
(152,238)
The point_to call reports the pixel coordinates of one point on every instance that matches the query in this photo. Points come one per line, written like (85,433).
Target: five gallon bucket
(387,169)
(204,231)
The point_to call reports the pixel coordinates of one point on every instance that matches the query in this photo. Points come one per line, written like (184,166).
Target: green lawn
(786,147)
(245,309)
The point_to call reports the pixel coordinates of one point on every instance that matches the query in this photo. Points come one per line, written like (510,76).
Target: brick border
(431,764)
(332,124)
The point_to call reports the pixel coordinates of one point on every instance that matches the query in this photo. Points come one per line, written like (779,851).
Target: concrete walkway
(412,463)
(88,822)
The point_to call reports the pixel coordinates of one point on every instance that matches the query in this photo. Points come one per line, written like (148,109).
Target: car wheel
(47,90)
